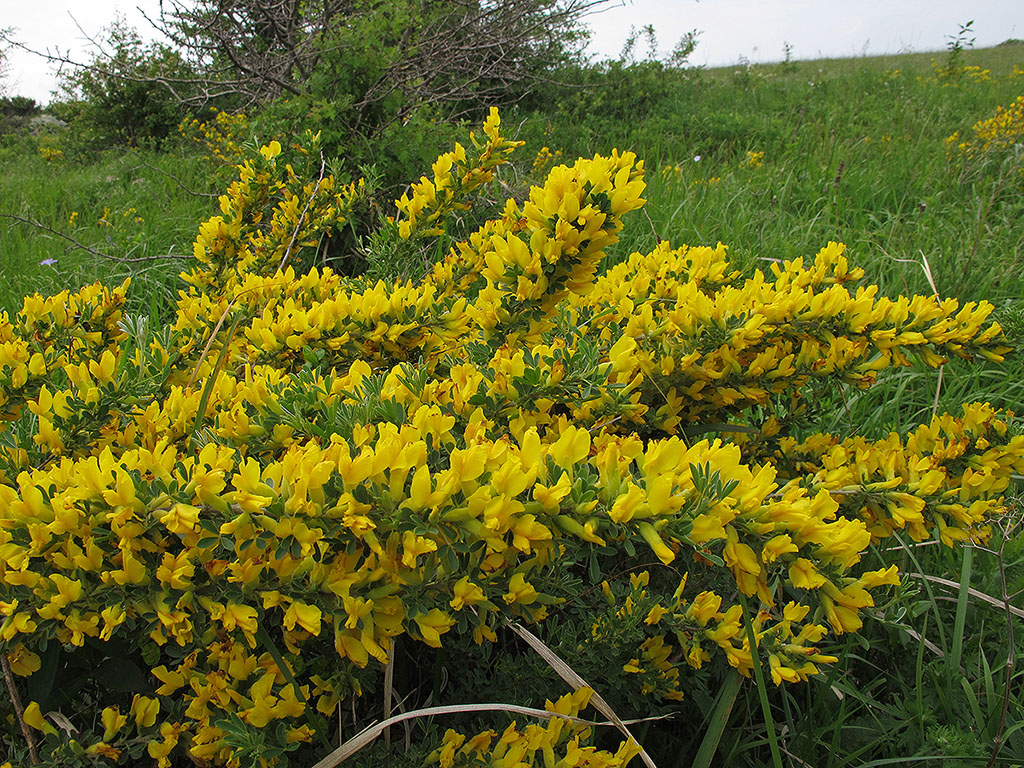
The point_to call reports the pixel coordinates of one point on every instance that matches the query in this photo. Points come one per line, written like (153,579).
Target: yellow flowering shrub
(254,504)
(221,137)
(754,159)
(424,209)
(1002,132)
(953,73)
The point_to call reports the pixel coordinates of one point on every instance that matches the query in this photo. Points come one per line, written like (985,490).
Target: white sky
(755,29)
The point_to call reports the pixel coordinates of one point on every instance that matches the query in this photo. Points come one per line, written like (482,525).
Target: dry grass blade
(1001,604)
(93,251)
(926,642)
(209,341)
(389,688)
(302,216)
(570,676)
(931,281)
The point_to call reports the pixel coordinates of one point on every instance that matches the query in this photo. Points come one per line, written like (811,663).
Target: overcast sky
(730,29)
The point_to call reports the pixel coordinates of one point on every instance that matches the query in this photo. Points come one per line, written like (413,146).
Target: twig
(176,180)
(93,251)
(298,224)
(567,673)
(371,732)
(931,281)
(657,237)
(19,711)
(389,689)
(1004,603)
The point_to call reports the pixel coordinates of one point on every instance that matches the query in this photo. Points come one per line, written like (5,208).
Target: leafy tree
(18,106)
(129,93)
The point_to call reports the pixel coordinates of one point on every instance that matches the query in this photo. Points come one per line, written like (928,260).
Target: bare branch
(84,247)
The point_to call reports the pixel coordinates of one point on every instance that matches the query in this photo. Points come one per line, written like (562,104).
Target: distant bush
(18,106)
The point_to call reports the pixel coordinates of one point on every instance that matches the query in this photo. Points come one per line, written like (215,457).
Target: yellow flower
(551,496)
(803,574)
(777,546)
(872,579)
(357,609)
(104,750)
(243,617)
(655,614)
(34,717)
(466,593)
(23,661)
(526,531)
(704,607)
(181,518)
(634,500)
(176,571)
(172,680)
(655,542)
(113,721)
(738,556)
(271,150)
(413,546)
(160,750)
(841,618)
(520,591)
(306,616)
(145,710)
(572,446)
(432,625)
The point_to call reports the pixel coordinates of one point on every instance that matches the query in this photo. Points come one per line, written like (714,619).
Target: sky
(730,30)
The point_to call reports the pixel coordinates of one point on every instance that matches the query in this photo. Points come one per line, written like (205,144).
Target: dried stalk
(19,711)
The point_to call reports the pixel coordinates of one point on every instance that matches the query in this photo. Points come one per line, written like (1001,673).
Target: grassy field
(775,161)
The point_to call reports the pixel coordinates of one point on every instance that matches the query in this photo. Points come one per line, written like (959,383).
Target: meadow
(775,162)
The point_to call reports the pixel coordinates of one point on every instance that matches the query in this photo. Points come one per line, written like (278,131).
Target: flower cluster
(258,502)
(754,159)
(561,743)
(952,73)
(545,157)
(424,209)
(1002,132)
(271,216)
(68,334)
(50,154)
(222,136)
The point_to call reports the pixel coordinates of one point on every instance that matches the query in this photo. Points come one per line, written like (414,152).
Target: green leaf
(40,684)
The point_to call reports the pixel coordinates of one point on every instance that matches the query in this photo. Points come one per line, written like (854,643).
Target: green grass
(150,215)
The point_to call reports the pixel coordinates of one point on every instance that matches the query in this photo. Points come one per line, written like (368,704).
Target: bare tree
(4,63)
